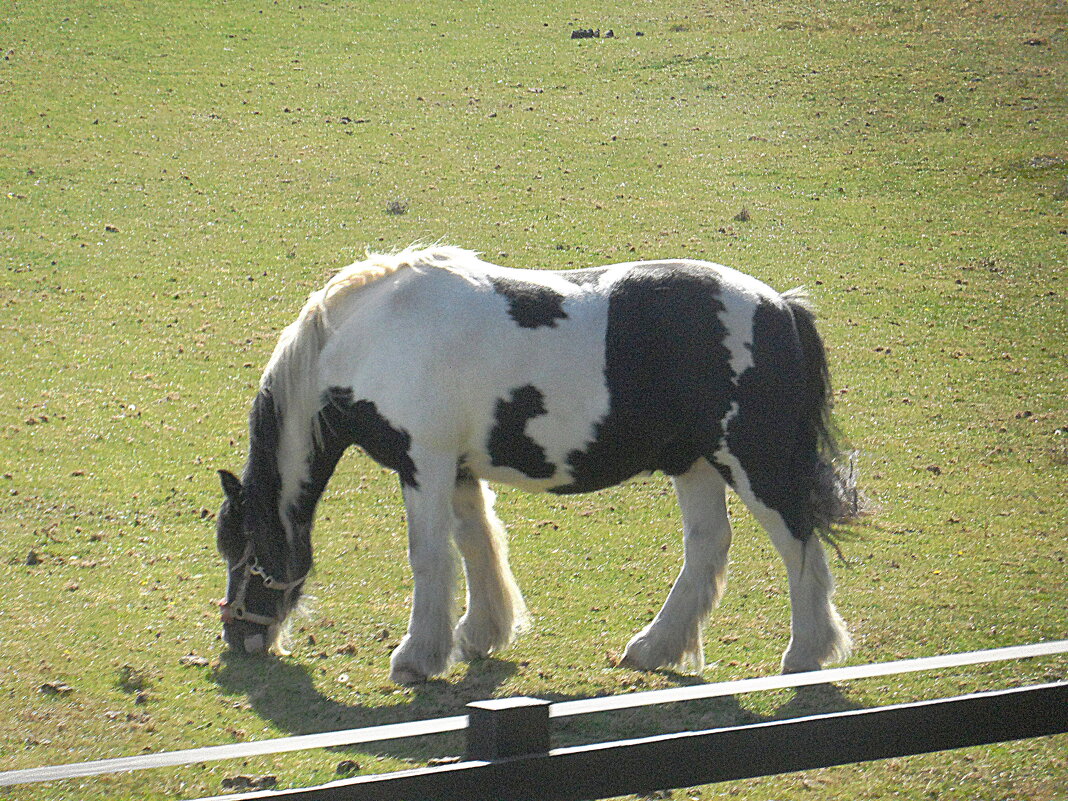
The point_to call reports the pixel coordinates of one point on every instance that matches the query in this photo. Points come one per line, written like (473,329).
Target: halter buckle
(236,610)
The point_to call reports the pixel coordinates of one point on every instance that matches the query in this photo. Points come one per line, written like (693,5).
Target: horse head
(257,602)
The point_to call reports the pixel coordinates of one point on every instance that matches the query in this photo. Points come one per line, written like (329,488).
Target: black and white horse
(454,372)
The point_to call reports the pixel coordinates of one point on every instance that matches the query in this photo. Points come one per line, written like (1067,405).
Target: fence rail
(705,757)
(509,755)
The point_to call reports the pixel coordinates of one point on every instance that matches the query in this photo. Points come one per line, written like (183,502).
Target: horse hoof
(637,657)
(468,653)
(799,666)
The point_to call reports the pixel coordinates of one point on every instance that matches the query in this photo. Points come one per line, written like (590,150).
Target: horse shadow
(284,693)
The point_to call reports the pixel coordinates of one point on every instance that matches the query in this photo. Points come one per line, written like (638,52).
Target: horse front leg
(426,648)
(673,639)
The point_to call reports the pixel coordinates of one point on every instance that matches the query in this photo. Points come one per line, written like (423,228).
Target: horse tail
(831,472)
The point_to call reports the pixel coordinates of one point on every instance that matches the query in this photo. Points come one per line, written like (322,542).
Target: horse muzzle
(245,631)
(245,637)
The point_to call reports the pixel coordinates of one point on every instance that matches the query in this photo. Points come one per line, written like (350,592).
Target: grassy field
(177,176)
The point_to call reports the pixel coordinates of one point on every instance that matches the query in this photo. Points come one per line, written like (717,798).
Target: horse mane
(289,375)
(301,342)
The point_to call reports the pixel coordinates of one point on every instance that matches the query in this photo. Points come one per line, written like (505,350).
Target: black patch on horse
(668,377)
(531,305)
(766,435)
(262,484)
(359,422)
(509,445)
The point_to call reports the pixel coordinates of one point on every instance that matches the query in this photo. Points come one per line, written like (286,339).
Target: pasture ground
(177,176)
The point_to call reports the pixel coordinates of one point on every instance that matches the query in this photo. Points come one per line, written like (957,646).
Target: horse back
(564,381)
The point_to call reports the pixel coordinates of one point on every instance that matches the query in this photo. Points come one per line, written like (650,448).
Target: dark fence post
(507,727)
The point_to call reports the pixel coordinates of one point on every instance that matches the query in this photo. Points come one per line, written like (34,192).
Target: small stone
(55,688)
(347,767)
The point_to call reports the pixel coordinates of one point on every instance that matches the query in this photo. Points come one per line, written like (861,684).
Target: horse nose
(230,637)
(245,637)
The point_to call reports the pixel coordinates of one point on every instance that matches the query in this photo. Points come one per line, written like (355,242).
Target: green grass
(177,176)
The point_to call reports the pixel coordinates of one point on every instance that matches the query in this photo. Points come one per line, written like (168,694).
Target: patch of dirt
(239,783)
(591,33)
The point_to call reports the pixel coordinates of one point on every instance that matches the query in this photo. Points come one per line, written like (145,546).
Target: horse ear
(231,485)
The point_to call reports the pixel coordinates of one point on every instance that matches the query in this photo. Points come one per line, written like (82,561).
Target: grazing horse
(454,372)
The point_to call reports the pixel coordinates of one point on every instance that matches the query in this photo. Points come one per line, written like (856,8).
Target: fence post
(507,727)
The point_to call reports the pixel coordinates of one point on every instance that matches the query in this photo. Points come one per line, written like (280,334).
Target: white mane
(290,373)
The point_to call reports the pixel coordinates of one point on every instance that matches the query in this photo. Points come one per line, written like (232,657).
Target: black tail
(834,499)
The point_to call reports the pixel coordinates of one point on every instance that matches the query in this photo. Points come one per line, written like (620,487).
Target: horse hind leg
(495,607)
(818,635)
(673,639)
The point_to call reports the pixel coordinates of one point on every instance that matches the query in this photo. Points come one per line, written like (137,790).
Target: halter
(236,610)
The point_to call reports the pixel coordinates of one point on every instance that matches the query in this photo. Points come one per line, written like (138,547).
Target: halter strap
(248,554)
(237,610)
(272,583)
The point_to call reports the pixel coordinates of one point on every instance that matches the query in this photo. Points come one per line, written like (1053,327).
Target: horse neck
(321,461)
(262,484)
(290,463)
